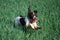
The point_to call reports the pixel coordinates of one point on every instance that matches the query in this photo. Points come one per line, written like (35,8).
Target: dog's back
(21,20)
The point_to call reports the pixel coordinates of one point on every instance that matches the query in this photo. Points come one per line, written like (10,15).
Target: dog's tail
(29,9)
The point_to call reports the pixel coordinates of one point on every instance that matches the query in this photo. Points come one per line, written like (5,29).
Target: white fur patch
(17,20)
(27,21)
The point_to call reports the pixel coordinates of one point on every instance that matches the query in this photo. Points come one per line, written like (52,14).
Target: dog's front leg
(36,26)
(32,26)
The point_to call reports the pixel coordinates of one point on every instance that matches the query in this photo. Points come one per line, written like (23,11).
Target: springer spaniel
(29,20)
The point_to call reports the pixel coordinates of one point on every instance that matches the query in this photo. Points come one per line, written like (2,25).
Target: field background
(48,15)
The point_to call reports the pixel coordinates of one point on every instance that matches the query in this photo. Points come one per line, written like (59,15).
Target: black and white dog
(29,20)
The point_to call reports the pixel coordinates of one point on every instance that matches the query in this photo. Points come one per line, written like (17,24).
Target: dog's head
(32,15)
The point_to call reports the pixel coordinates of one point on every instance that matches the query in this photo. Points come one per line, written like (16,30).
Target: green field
(48,15)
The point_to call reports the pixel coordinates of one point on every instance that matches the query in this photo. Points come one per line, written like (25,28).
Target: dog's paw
(38,28)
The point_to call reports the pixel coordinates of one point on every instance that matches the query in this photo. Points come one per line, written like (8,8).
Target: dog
(28,21)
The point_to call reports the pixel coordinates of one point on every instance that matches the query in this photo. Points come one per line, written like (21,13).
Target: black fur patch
(22,21)
(30,15)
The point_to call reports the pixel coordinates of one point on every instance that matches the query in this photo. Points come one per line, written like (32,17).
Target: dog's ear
(29,9)
(35,11)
